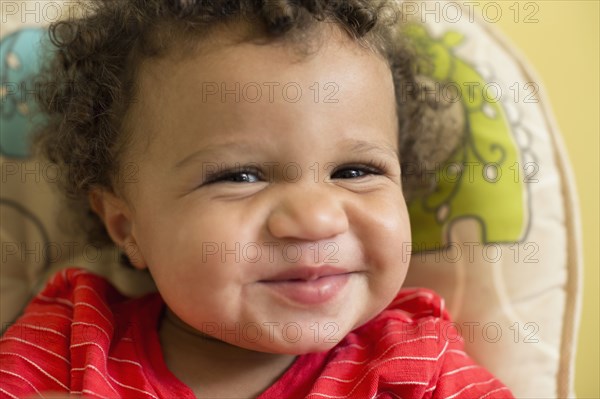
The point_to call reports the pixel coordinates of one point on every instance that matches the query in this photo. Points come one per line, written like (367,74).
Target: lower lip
(311,292)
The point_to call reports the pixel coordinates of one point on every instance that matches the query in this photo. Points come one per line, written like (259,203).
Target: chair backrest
(499,239)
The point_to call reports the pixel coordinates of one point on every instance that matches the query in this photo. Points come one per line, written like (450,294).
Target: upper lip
(306,273)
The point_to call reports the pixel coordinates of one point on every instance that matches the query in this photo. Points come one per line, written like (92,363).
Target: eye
(235,176)
(357,171)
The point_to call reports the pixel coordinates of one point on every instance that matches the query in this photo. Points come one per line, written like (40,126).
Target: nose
(309,215)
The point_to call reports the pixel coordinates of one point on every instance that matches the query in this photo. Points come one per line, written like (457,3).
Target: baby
(248,154)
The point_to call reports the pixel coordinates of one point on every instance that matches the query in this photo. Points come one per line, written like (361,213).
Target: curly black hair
(92,77)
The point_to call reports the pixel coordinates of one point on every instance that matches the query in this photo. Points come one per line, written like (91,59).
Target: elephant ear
(34,243)
(465,145)
(443,125)
(21,56)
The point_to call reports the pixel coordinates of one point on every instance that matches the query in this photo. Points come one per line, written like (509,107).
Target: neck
(214,368)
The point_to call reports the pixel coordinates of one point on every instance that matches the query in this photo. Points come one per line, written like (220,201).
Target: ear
(116,215)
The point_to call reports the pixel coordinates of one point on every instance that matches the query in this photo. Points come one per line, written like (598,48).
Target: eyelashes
(240,174)
(247,174)
(357,170)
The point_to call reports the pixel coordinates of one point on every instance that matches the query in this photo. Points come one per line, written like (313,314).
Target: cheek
(385,236)
(178,234)
(193,250)
(387,227)
(184,253)
(396,234)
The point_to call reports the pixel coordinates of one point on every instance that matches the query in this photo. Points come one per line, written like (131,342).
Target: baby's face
(270,218)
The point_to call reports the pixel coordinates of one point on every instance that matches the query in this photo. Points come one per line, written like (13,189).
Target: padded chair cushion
(499,237)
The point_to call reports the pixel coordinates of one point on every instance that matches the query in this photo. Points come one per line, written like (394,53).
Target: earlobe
(116,215)
(132,251)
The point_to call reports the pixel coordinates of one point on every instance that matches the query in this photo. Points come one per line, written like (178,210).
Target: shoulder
(417,316)
(70,297)
(64,299)
(418,303)
(67,283)
(38,345)
(413,312)
(72,321)
(411,349)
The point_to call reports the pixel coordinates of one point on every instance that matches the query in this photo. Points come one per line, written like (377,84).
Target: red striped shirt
(80,335)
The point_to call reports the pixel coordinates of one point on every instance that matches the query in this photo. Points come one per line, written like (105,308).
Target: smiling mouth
(309,285)
(306,273)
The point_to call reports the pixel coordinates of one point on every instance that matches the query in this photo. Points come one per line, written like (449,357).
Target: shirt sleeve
(456,375)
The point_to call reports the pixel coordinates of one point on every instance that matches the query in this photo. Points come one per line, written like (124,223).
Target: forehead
(235,52)
(229,86)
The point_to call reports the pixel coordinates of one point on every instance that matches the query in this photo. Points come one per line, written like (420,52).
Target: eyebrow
(215,149)
(354,146)
(349,145)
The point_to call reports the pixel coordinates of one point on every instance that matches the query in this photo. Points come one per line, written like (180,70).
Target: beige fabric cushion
(515,297)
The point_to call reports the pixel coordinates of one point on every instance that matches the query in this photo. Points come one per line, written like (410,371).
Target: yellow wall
(563,47)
